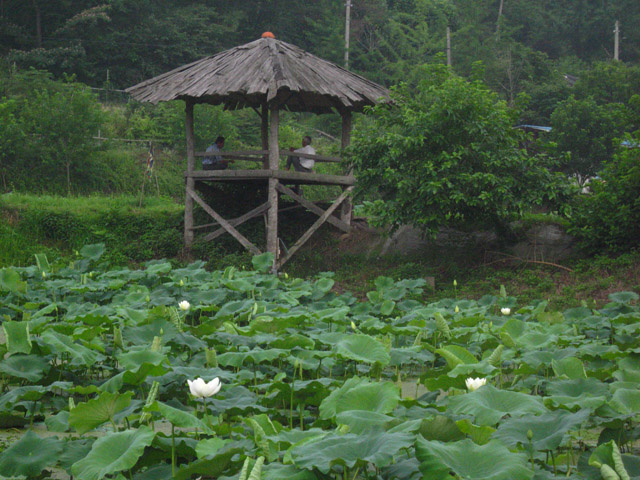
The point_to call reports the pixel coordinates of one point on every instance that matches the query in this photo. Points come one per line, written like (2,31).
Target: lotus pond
(96,363)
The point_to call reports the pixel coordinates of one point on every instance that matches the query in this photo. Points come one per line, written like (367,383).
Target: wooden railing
(258,155)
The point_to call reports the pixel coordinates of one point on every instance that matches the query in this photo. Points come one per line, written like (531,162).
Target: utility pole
(616,42)
(448,46)
(499,17)
(346,34)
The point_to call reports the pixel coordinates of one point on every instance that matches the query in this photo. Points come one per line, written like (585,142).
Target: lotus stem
(173,451)
(356,473)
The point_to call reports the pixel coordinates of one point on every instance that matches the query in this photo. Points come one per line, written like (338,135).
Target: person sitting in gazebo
(302,164)
(215,161)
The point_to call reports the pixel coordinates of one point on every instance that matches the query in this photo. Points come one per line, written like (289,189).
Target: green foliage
(61,124)
(610,216)
(445,153)
(129,233)
(290,400)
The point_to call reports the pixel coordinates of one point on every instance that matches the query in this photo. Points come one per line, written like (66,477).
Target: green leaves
(470,461)
(362,348)
(92,414)
(377,448)
(10,281)
(30,455)
(113,453)
(548,431)
(360,394)
(488,404)
(17,337)
(446,152)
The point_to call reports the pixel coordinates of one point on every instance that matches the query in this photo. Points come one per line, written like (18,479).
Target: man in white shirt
(215,161)
(303,164)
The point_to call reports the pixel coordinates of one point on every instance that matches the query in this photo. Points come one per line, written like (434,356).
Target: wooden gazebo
(267,75)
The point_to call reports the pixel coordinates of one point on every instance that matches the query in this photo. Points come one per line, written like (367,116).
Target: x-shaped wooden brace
(227,226)
(324,217)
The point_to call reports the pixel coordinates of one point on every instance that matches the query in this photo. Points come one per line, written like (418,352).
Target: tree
(610,216)
(11,138)
(585,132)
(446,152)
(61,124)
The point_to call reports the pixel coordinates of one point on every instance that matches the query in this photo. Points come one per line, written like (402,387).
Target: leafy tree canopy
(446,152)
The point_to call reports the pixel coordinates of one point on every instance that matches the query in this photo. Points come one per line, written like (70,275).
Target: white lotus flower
(475,383)
(184,305)
(505,310)
(201,389)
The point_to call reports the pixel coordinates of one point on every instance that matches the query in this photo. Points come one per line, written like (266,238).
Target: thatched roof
(248,75)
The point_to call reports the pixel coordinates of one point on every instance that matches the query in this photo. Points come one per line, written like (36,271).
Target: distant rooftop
(537,128)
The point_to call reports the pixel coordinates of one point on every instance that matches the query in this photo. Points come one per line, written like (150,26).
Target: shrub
(610,217)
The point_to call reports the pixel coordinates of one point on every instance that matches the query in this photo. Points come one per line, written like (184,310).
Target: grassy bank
(58,226)
(577,280)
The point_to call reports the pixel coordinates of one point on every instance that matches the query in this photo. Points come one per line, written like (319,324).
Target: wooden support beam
(190,181)
(239,153)
(239,221)
(314,227)
(314,208)
(264,134)
(274,160)
(224,224)
(346,212)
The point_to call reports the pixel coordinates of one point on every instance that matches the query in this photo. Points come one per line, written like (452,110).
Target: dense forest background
(523,44)
(543,62)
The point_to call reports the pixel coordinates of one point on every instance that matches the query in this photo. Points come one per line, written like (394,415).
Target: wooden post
(274,160)
(346,211)
(347,25)
(264,133)
(188,202)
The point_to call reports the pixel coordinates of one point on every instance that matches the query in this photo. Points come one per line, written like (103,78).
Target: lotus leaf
(177,417)
(30,455)
(570,367)
(587,393)
(10,281)
(277,471)
(58,422)
(488,404)
(93,252)
(89,415)
(479,435)
(113,453)
(470,461)
(623,297)
(549,429)
(376,448)
(456,355)
(629,369)
(17,337)
(626,401)
(209,446)
(29,367)
(61,343)
(363,348)
(361,420)
(360,394)
(212,465)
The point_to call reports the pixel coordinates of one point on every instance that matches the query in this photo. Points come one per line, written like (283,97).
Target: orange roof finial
(268,35)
